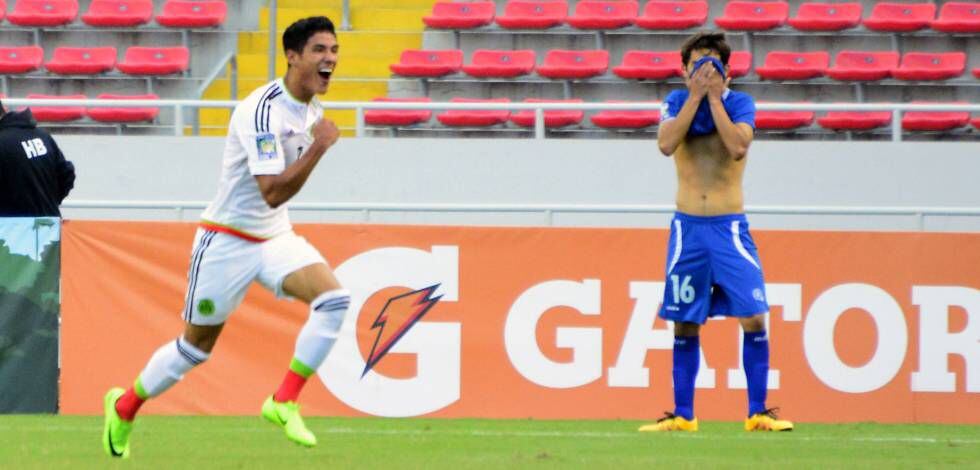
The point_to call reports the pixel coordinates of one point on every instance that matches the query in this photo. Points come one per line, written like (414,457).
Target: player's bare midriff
(709,179)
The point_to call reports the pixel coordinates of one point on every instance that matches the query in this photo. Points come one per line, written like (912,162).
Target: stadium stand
(900,17)
(3,9)
(118,13)
(428,63)
(816,16)
(753,16)
(154,60)
(123,115)
(474,118)
(397,117)
(934,121)
(673,15)
(39,13)
(600,14)
(458,15)
(930,66)
(82,60)
(783,120)
(20,59)
(526,14)
(650,65)
(788,65)
(500,64)
(57,113)
(862,65)
(552,118)
(958,17)
(621,120)
(565,64)
(854,121)
(192,14)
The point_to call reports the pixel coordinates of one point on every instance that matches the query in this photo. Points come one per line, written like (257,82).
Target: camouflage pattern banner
(30,306)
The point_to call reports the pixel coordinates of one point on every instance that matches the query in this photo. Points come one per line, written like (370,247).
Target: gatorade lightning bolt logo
(395,319)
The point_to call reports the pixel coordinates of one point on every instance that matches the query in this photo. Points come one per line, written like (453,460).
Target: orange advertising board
(550,323)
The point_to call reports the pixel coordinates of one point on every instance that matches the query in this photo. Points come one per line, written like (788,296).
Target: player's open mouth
(325,72)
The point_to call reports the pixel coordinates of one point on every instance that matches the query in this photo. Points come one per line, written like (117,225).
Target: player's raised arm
(735,131)
(279,188)
(677,112)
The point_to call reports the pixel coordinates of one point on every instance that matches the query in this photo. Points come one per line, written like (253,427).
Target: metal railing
(548,210)
(539,126)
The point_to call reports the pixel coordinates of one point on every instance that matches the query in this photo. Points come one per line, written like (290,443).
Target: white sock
(169,364)
(322,327)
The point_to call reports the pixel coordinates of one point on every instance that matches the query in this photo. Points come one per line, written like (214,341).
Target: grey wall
(515,171)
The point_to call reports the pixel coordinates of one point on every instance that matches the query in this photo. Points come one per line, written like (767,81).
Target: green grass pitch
(73,442)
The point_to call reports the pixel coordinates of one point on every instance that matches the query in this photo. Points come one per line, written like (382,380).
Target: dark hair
(710,40)
(296,35)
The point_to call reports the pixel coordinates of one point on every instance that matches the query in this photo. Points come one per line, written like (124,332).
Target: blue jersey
(740,107)
(713,268)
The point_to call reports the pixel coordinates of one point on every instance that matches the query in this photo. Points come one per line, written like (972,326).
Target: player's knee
(754,323)
(686,329)
(328,311)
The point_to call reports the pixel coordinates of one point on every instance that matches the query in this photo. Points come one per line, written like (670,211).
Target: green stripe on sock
(138,388)
(300,368)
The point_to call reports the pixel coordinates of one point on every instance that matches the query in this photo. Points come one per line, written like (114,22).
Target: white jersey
(269,130)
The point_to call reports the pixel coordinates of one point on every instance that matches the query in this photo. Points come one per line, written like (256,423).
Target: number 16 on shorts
(682,289)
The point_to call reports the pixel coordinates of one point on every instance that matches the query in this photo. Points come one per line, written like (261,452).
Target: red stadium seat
(118,13)
(616,119)
(474,118)
(929,66)
(784,65)
(753,16)
(398,117)
(528,14)
(154,60)
(783,120)
(817,16)
(976,72)
(934,120)
(192,13)
(975,122)
(3,9)
(560,64)
(460,15)
(601,14)
(673,15)
(650,65)
(739,63)
(121,115)
(855,120)
(552,118)
(958,17)
(57,113)
(423,63)
(20,59)
(82,60)
(859,65)
(487,63)
(43,12)
(900,17)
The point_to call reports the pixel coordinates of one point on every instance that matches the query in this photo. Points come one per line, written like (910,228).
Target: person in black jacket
(34,175)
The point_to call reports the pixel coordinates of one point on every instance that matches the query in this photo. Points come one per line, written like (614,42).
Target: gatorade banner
(549,323)
(30,264)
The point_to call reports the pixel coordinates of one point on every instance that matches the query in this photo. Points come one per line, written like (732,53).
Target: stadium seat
(818,16)
(958,17)
(82,60)
(398,117)
(860,65)
(121,115)
(192,13)
(784,65)
(931,66)
(650,65)
(603,14)
(673,15)
(20,59)
(154,60)
(38,13)
(487,63)
(900,17)
(753,16)
(975,122)
(783,120)
(433,63)
(57,113)
(3,9)
(552,118)
(474,118)
(459,15)
(565,64)
(617,119)
(934,120)
(854,120)
(118,13)
(527,14)
(976,72)
(739,63)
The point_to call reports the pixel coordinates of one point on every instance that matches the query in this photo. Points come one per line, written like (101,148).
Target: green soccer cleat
(115,436)
(286,415)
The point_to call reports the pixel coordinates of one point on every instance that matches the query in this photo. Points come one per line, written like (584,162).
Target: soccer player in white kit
(276,137)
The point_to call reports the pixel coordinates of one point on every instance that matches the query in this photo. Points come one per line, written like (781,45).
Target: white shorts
(223,266)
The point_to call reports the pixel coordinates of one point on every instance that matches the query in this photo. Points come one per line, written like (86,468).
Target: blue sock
(755,361)
(687,360)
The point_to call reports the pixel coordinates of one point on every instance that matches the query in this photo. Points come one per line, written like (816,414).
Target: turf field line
(741,436)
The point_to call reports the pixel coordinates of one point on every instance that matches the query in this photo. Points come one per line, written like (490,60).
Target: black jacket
(34,175)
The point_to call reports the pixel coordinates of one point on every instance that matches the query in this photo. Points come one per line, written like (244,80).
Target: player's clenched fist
(325,132)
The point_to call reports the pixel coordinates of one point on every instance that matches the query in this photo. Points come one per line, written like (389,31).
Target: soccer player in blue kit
(712,264)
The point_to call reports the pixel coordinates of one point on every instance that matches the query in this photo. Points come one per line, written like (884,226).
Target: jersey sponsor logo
(266,144)
(34,148)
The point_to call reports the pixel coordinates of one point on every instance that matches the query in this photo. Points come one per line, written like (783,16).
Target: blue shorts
(713,269)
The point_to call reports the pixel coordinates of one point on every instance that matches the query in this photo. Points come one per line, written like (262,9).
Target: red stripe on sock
(128,404)
(291,385)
